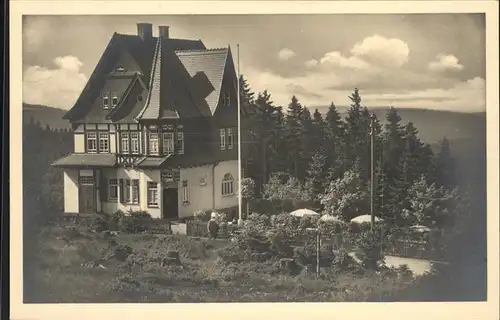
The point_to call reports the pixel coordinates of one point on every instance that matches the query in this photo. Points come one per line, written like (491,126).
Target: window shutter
(103,188)
(136,186)
(122,195)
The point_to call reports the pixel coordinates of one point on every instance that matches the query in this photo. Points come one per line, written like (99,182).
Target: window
(125,142)
(203,181)
(168,143)
(230,138)
(126,196)
(226,99)
(135,191)
(103,142)
(152,194)
(153,143)
(105,101)
(91,142)
(227,185)
(120,68)
(86,181)
(222,139)
(180,142)
(134,138)
(113,190)
(185,192)
(114,101)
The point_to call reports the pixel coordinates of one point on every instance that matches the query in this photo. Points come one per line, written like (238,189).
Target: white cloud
(286,54)
(57,87)
(382,51)
(336,59)
(445,62)
(311,63)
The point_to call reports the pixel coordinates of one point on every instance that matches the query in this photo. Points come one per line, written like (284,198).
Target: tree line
(291,153)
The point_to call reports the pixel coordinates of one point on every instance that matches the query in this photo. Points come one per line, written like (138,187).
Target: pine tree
(315,182)
(334,131)
(318,131)
(308,146)
(414,159)
(445,165)
(293,136)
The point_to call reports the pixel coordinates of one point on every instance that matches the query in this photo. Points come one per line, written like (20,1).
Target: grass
(54,272)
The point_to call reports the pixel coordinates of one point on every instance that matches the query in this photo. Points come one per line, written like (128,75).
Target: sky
(432,61)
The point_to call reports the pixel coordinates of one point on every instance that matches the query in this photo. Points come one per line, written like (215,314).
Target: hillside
(432,124)
(45,115)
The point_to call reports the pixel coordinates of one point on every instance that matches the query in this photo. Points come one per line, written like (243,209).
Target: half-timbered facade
(155,129)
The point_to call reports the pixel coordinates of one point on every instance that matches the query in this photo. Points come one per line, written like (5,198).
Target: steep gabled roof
(151,108)
(118,110)
(210,63)
(142,51)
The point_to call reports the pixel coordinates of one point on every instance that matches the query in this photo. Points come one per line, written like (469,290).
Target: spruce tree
(308,146)
(315,182)
(293,136)
(318,131)
(334,131)
(445,165)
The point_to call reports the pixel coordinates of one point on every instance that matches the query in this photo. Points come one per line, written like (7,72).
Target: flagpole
(240,213)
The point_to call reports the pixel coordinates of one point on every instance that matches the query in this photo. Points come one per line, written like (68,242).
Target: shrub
(342,261)
(368,244)
(99,223)
(136,222)
(201,215)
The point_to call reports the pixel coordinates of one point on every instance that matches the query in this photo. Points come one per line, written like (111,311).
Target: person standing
(213,227)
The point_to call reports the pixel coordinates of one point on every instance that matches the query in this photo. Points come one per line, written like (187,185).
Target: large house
(155,129)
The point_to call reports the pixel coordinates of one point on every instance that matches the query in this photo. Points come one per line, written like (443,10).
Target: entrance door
(170,203)
(87,195)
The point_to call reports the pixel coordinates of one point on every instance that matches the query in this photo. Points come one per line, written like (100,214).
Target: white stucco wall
(144,177)
(200,196)
(79,142)
(71,190)
(112,142)
(223,202)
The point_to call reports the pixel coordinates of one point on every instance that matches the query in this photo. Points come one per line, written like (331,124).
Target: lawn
(74,264)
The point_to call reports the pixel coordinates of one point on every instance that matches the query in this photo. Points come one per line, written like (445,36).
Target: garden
(133,258)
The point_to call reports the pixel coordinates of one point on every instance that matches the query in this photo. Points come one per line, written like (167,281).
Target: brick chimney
(145,31)
(163,32)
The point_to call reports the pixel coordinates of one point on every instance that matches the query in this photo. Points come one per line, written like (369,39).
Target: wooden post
(372,169)
(318,246)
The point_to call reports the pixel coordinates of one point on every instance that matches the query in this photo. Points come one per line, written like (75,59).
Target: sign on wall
(170,177)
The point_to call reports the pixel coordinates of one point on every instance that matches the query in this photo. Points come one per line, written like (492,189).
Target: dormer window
(114,101)
(226,99)
(105,101)
(120,69)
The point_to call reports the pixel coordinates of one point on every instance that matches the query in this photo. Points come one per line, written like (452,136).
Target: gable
(131,103)
(127,62)
(227,115)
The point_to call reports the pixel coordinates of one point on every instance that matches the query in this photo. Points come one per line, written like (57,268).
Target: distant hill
(432,125)
(45,115)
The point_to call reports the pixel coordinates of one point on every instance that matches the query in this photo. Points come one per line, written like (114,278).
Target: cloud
(311,63)
(445,62)
(336,59)
(58,87)
(286,54)
(380,50)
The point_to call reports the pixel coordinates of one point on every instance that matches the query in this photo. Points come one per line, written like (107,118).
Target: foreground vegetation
(75,263)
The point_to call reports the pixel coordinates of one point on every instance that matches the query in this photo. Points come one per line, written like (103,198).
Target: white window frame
(230,138)
(105,101)
(135,141)
(180,142)
(168,143)
(125,142)
(222,134)
(113,188)
(91,136)
(227,185)
(114,98)
(185,192)
(153,143)
(134,191)
(103,137)
(152,194)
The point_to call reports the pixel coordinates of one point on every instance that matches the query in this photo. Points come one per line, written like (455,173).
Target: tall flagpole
(240,216)
(372,169)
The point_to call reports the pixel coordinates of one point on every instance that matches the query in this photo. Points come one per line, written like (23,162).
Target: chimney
(163,32)
(145,31)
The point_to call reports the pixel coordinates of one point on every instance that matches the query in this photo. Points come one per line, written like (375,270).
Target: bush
(138,221)
(368,245)
(99,223)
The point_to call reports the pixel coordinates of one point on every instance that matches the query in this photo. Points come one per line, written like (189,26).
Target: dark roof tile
(86,160)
